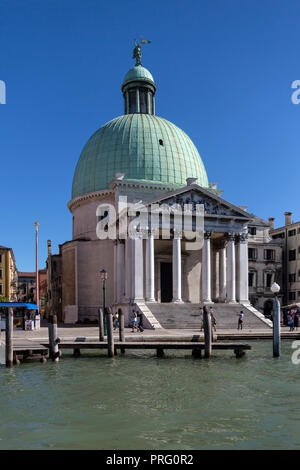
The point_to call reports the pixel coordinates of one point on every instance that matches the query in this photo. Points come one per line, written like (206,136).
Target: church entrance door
(166,282)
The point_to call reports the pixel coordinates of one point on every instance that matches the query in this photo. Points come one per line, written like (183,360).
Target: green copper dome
(143,147)
(138,72)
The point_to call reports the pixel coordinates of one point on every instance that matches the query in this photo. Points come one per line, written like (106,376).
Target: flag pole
(36,224)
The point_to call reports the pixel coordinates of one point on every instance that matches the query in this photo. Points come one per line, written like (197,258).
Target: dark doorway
(166,282)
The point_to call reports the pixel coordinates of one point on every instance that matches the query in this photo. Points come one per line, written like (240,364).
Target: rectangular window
(269,280)
(143,100)
(132,102)
(292,295)
(252,253)
(292,277)
(292,233)
(292,255)
(269,255)
(0,258)
(278,235)
(1,289)
(252,230)
(1,273)
(250,279)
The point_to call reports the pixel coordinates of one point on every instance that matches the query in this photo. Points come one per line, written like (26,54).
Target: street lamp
(275,288)
(103,277)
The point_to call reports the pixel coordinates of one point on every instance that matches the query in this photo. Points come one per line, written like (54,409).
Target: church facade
(148,161)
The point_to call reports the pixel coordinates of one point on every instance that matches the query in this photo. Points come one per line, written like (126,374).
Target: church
(147,160)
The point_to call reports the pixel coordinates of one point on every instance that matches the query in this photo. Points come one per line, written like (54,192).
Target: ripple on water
(137,401)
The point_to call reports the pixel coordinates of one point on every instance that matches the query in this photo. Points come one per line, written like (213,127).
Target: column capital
(242,237)
(177,233)
(231,236)
(207,235)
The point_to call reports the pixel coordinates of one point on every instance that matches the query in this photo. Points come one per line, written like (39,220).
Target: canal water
(138,401)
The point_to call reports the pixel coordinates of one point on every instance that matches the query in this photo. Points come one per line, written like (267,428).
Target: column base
(207,302)
(231,302)
(150,300)
(177,301)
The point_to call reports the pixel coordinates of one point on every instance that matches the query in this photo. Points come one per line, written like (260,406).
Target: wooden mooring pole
(121,329)
(276,327)
(110,334)
(9,356)
(207,332)
(101,324)
(53,339)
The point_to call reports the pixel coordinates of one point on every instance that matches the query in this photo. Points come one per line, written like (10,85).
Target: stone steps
(186,316)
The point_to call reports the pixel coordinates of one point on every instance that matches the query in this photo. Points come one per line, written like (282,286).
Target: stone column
(120,271)
(150,267)
(206,269)
(230,269)
(137,277)
(215,273)
(177,266)
(137,100)
(128,270)
(242,265)
(222,274)
(116,287)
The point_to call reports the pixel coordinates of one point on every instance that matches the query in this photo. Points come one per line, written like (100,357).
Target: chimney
(271,222)
(49,247)
(288,218)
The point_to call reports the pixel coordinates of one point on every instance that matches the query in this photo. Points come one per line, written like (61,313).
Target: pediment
(213,204)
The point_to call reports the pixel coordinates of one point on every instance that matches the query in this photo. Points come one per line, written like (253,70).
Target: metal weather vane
(137,51)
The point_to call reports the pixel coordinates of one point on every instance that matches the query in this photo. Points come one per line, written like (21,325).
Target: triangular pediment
(213,205)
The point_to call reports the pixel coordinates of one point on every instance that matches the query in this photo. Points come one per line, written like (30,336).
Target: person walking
(291,322)
(240,320)
(213,319)
(134,322)
(140,322)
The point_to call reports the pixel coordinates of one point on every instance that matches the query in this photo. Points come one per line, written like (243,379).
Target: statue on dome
(137,51)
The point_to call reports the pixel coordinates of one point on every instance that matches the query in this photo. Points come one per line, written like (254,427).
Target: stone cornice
(86,198)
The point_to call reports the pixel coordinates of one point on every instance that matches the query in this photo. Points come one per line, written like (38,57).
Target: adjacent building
(265,264)
(27,288)
(289,236)
(8,274)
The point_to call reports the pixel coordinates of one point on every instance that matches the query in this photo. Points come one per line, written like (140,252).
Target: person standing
(240,320)
(296,320)
(213,319)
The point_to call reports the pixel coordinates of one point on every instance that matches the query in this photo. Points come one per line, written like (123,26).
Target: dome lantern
(138,87)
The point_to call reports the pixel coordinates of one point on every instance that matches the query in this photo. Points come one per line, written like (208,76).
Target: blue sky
(223,70)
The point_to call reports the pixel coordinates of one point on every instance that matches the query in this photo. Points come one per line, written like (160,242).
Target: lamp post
(275,288)
(103,276)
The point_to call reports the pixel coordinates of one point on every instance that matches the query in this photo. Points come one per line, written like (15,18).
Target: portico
(157,269)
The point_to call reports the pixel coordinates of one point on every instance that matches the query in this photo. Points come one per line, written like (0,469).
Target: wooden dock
(52,349)
(194,346)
